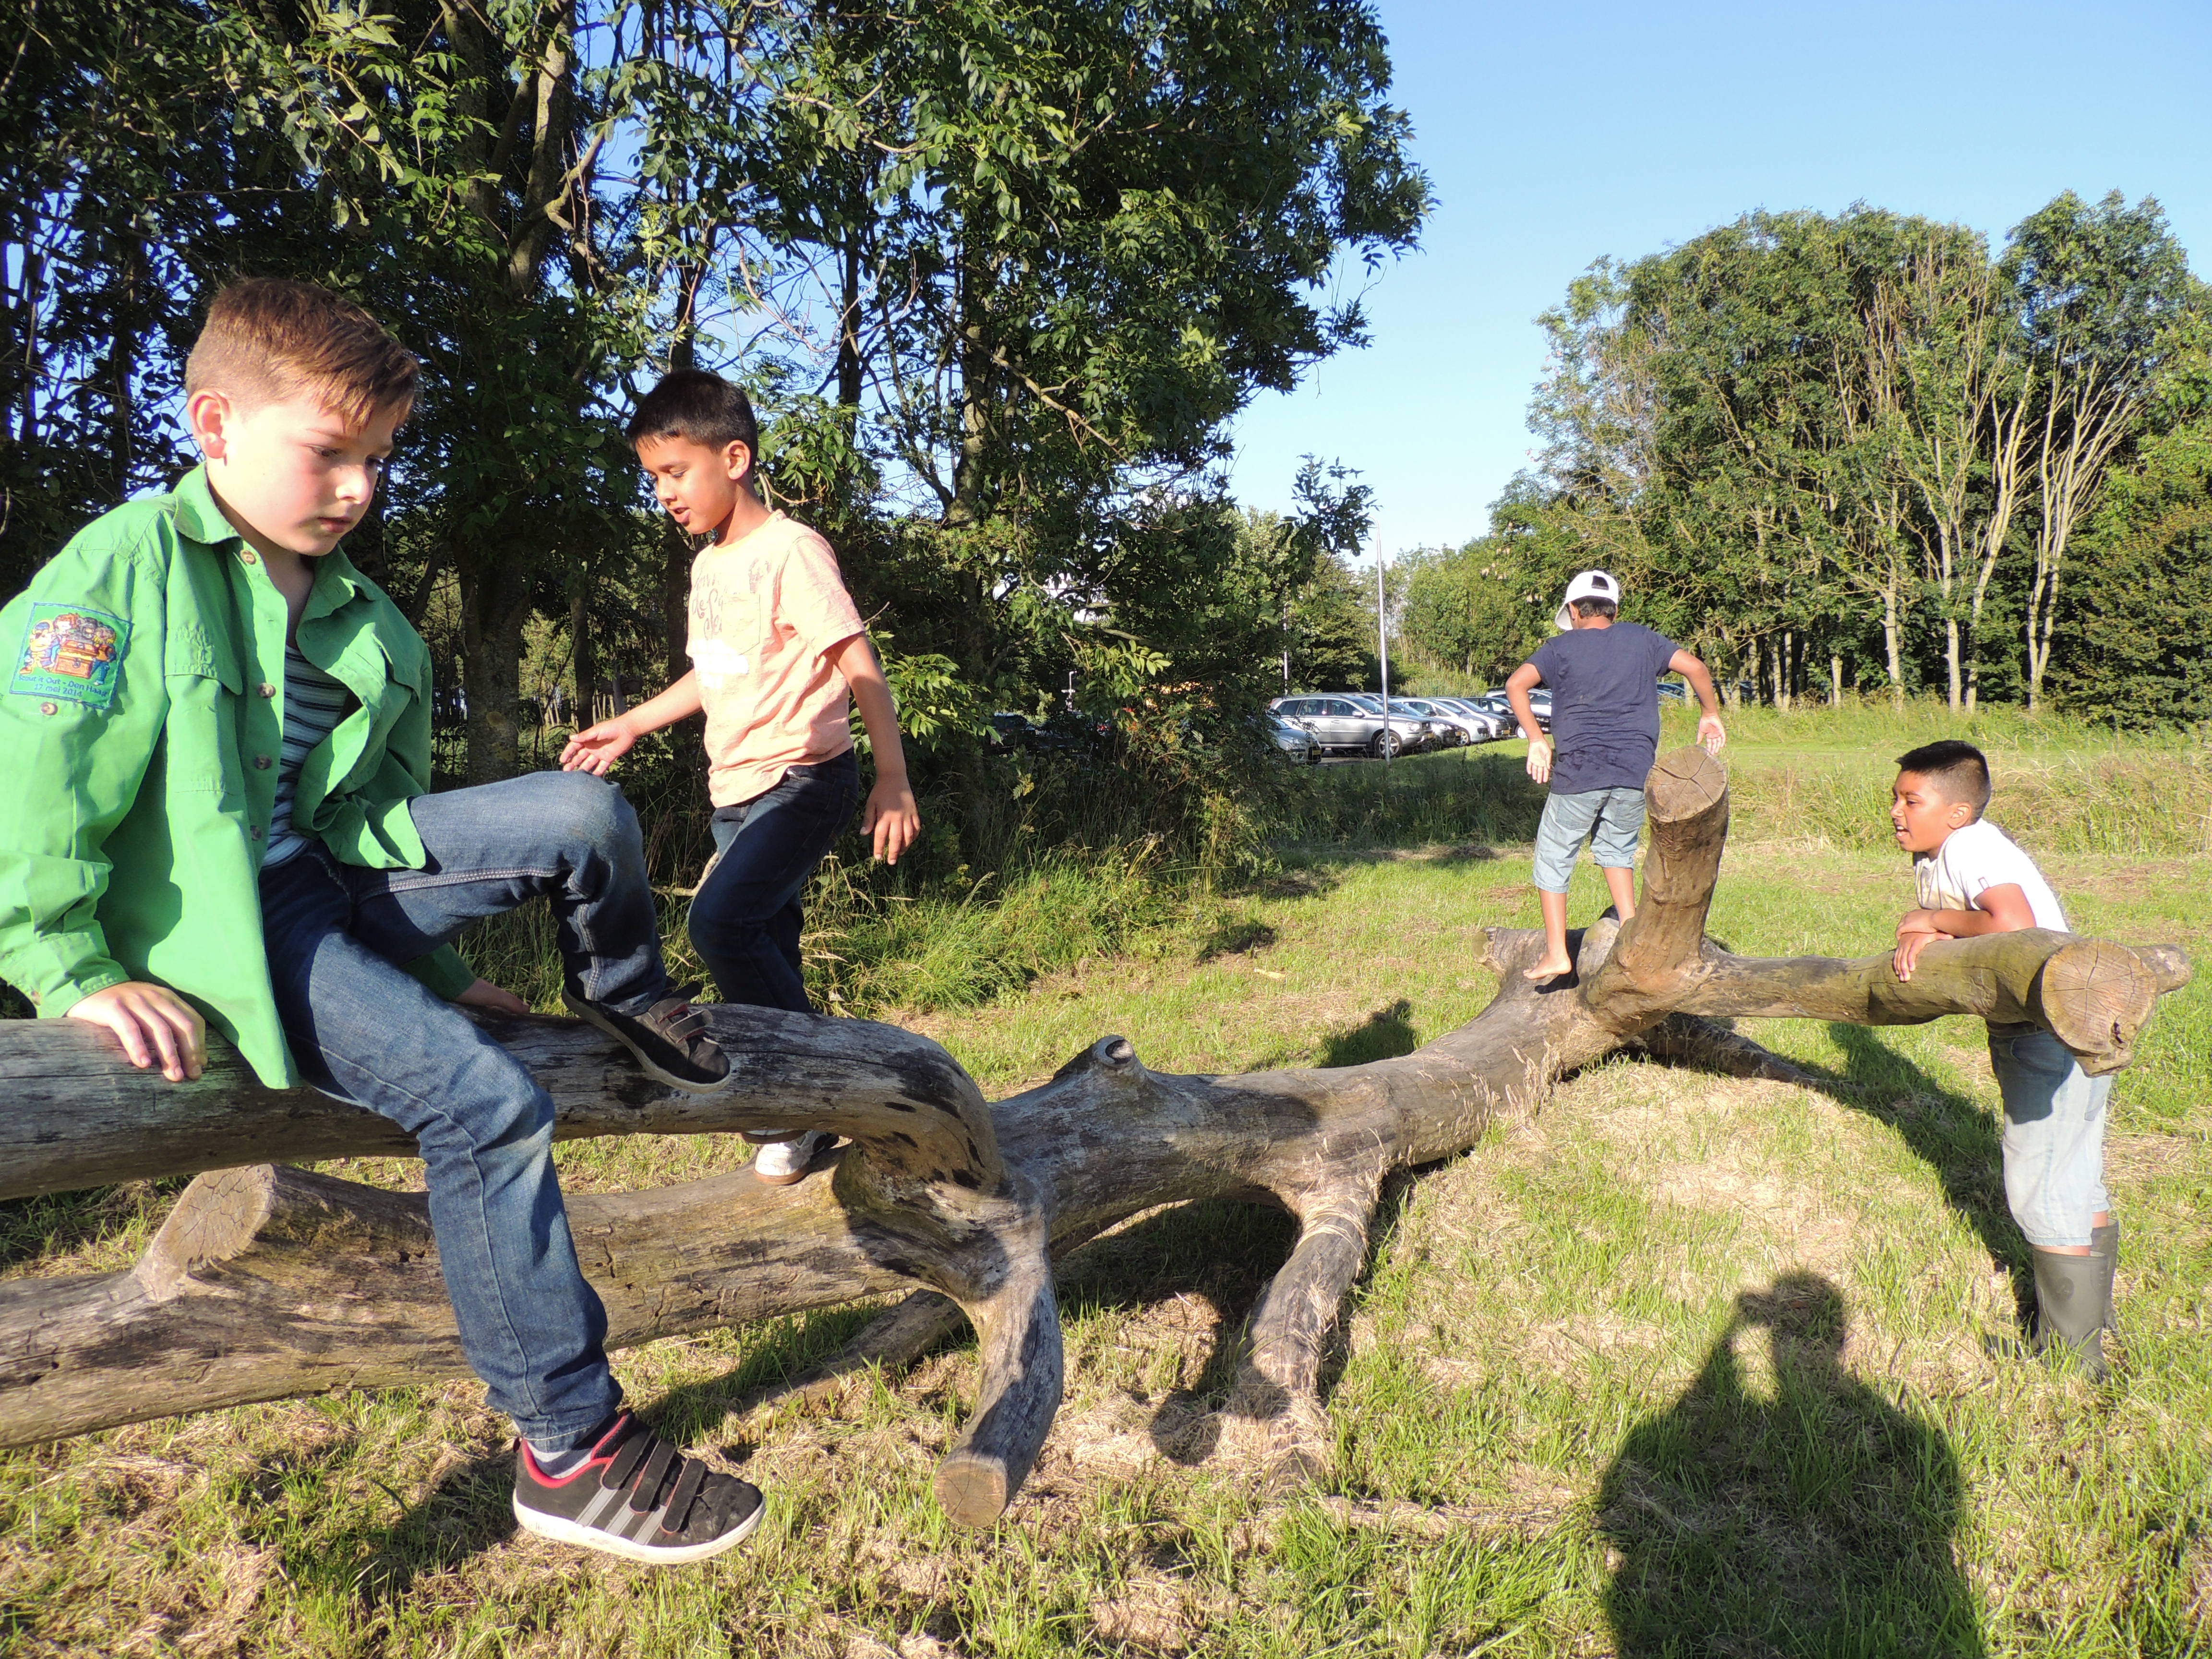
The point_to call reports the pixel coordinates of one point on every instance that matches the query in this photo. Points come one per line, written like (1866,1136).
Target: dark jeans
(367,1032)
(746,917)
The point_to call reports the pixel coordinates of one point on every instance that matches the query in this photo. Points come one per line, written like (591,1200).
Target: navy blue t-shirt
(1605,704)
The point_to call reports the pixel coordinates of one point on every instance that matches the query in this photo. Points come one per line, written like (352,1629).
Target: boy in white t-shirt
(1972,879)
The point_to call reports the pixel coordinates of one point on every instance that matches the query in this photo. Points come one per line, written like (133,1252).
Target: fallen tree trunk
(268,1282)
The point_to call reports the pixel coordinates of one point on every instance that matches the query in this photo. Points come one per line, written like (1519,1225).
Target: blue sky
(1554,134)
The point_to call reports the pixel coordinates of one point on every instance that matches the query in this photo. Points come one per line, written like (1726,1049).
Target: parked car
(1339,722)
(1297,742)
(1673,689)
(1451,731)
(1497,703)
(1063,733)
(1466,723)
(1426,734)
(1487,725)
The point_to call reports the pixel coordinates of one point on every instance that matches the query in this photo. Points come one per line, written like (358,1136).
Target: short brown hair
(268,339)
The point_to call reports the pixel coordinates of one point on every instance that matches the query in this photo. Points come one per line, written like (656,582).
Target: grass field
(1680,1365)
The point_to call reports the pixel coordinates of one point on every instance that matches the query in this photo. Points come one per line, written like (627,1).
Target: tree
(2138,651)
(2103,296)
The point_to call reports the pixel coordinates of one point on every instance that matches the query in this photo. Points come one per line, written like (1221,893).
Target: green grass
(1681,1364)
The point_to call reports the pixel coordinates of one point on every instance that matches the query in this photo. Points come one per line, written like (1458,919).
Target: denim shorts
(2054,1136)
(1609,819)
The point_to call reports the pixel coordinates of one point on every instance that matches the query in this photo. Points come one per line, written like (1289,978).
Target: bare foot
(1549,968)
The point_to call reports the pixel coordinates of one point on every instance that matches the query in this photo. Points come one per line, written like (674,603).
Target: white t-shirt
(1972,861)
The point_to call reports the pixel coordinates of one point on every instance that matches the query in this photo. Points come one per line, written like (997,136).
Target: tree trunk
(1894,644)
(583,652)
(1835,679)
(676,598)
(494,604)
(268,1282)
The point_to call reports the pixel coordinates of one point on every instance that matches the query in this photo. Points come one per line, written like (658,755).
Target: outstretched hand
(1540,759)
(151,1021)
(597,748)
(1711,735)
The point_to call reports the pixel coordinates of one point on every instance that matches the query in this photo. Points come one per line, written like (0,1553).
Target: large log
(269,1282)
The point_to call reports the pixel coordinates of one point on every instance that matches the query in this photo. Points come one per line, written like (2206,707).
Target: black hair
(1590,606)
(1960,771)
(701,407)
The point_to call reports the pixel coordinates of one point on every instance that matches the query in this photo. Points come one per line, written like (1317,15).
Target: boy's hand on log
(892,819)
(497,998)
(150,1020)
(1916,932)
(597,748)
(1540,759)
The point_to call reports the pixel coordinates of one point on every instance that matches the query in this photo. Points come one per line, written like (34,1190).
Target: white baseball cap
(1590,585)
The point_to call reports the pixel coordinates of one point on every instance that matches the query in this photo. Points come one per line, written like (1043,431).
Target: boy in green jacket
(219,735)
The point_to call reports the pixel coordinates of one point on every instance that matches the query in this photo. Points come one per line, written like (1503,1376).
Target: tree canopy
(1856,451)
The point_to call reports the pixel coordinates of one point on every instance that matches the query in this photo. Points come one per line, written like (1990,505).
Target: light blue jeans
(1610,819)
(2054,1136)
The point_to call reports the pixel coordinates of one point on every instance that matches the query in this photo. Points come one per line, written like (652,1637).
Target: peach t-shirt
(765,613)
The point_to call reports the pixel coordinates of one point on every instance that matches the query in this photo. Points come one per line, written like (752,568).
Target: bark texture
(269,1282)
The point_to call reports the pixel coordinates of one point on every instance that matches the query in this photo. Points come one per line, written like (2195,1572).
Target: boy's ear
(208,415)
(738,460)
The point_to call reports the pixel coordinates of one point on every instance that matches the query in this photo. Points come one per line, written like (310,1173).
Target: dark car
(1294,741)
(1497,703)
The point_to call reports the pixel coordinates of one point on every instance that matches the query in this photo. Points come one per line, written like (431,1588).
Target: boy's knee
(590,812)
(720,931)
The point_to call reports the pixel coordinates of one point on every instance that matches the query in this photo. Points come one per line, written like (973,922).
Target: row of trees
(999,273)
(1860,451)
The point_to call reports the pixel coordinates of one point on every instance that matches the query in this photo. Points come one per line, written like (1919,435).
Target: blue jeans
(1610,819)
(746,917)
(367,1032)
(2054,1136)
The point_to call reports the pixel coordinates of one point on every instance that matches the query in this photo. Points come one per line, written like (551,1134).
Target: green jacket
(139,729)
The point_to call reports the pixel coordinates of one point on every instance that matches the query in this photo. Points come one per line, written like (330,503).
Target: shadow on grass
(1952,1135)
(1821,1520)
(1383,1035)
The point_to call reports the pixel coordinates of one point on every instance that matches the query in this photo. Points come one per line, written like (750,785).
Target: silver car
(1427,734)
(1339,722)
(1483,727)
(1457,726)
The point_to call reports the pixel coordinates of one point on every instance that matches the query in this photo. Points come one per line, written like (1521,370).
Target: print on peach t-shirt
(766,611)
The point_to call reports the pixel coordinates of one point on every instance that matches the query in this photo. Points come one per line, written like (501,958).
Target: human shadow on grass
(1821,1520)
(1953,1136)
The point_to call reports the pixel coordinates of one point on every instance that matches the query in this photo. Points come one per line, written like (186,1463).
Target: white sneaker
(781,1162)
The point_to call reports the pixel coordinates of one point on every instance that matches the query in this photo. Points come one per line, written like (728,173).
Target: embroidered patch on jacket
(72,653)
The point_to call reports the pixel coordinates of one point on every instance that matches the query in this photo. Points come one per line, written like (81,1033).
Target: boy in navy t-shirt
(1604,676)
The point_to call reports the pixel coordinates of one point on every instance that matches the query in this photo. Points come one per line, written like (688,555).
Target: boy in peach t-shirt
(779,657)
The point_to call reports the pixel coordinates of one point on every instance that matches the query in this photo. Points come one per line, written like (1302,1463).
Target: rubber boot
(2073,1294)
(2104,1248)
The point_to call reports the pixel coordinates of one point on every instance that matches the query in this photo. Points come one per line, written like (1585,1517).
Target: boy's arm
(78,748)
(597,748)
(2003,909)
(891,818)
(1692,668)
(1523,680)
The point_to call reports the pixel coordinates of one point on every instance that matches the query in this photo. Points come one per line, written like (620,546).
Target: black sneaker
(636,1497)
(669,1039)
